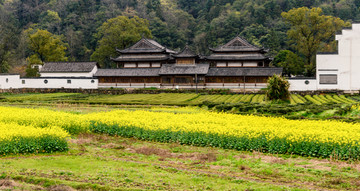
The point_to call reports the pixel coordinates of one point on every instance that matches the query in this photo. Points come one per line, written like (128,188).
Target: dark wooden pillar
(244,83)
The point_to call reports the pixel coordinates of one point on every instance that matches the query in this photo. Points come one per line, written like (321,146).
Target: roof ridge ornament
(186,53)
(236,44)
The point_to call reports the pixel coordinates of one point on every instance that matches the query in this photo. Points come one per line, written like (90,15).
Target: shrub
(278,88)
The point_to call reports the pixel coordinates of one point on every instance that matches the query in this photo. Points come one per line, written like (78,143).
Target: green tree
(118,32)
(277,88)
(291,63)
(50,21)
(309,28)
(8,39)
(45,47)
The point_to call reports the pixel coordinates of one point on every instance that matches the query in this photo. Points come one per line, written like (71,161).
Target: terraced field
(321,99)
(181,99)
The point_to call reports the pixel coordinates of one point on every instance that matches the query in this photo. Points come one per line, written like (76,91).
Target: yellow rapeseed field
(10,131)
(236,125)
(243,132)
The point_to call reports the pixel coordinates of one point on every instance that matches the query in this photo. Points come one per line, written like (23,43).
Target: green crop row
(246,143)
(295,99)
(43,144)
(168,98)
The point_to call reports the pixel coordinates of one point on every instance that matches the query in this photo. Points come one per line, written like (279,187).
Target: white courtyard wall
(9,81)
(302,85)
(59,83)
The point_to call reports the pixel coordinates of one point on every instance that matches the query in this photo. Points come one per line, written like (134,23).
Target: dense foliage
(277,88)
(199,23)
(118,33)
(309,29)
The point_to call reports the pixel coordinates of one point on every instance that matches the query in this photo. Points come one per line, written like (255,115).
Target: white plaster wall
(71,74)
(299,85)
(59,83)
(144,65)
(13,81)
(156,65)
(346,64)
(250,64)
(129,65)
(234,64)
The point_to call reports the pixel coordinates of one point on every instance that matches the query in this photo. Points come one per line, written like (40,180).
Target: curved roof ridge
(237,43)
(186,52)
(145,44)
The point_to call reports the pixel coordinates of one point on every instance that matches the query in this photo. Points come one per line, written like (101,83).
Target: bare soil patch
(8,184)
(60,187)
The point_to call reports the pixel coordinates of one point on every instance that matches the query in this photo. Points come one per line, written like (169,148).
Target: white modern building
(336,71)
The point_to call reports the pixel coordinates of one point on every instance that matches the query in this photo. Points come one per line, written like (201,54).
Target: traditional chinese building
(237,64)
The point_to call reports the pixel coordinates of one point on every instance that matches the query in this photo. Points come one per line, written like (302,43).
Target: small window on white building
(328,79)
(92,81)
(7,80)
(23,81)
(46,81)
(69,81)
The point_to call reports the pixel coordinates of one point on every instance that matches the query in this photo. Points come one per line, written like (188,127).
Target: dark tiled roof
(8,74)
(127,72)
(328,53)
(146,46)
(174,69)
(186,53)
(143,58)
(236,44)
(255,71)
(213,57)
(68,67)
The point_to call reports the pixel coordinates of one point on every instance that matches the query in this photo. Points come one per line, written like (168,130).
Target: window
(166,80)
(152,80)
(7,80)
(137,80)
(200,79)
(46,81)
(92,81)
(330,79)
(233,79)
(214,79)
(69,81)
(183,80)
(23,81)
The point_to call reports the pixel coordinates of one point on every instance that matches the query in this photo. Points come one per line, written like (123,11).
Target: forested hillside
(173,23)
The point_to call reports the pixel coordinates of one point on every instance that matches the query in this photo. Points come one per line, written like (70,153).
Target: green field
(102,162)
(327,106)
(180,99)
(99,162)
